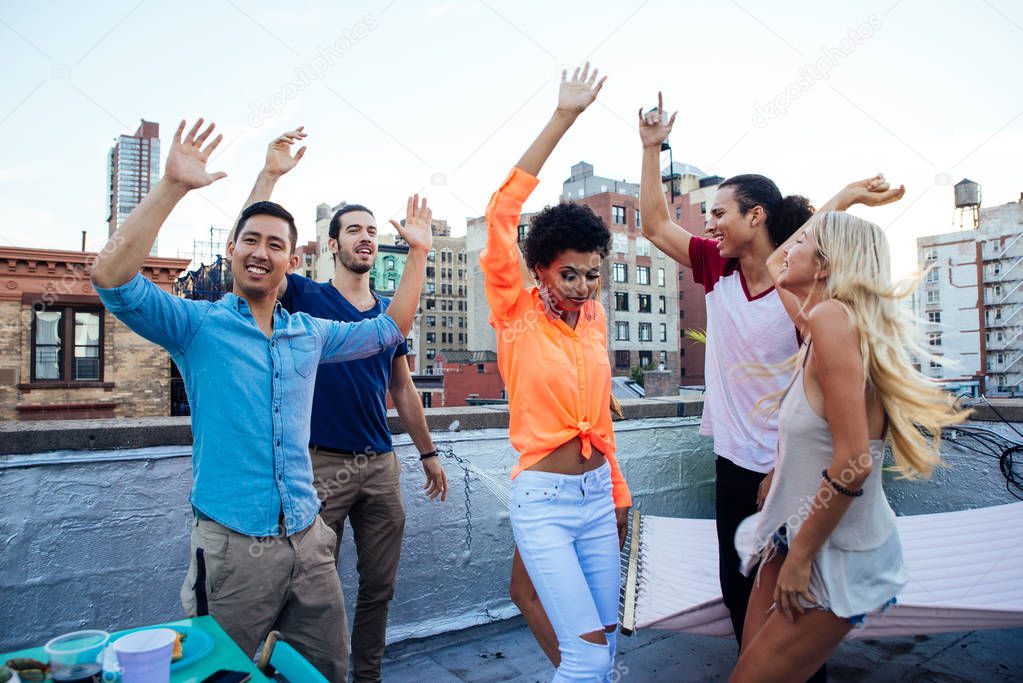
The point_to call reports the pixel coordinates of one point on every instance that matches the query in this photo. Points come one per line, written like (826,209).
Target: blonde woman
(826,540)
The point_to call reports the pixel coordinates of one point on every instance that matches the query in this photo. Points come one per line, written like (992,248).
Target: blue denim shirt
(251,396)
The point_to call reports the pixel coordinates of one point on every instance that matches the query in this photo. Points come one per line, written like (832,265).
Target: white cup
(145,656)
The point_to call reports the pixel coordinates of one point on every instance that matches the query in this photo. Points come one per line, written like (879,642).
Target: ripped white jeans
(565,530)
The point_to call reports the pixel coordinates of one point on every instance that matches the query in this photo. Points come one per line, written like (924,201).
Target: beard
(349,262)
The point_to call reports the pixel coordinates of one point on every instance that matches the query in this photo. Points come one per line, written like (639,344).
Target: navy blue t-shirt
(350,399)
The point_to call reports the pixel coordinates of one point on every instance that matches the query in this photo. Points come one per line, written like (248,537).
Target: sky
(443,97)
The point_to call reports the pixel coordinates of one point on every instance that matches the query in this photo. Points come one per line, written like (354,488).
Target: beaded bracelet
(838,487)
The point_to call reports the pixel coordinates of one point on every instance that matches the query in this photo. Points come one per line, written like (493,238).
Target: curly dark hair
(562,227)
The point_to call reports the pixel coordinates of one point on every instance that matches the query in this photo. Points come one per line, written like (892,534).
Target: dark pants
(735,499)
(735,491)
(367,492)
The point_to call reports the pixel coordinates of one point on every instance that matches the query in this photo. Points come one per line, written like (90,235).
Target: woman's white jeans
(565,530)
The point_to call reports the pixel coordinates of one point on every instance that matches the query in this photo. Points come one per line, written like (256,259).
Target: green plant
(697,335)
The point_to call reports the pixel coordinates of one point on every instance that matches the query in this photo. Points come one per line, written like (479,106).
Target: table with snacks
(204,650)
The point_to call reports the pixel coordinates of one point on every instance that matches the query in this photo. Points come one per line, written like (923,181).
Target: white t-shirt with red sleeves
(741,330)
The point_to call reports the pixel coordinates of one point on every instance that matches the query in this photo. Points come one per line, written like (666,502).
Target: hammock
(964,574)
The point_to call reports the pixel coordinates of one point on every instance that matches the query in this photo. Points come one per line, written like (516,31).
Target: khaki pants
(253,585)
(367,492)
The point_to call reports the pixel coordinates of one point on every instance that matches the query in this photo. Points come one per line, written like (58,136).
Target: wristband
(838,487)
(431,454)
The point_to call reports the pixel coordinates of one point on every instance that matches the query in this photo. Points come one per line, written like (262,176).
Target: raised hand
(653,130)
(580,91)
(418,228)
(186,162)
(279,159)
(874,191)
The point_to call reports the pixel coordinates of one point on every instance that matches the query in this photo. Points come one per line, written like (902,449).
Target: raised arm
(658,227)
(127,249)
(870,192)
(279,160)
(504,271)
(575,95)
(418,232)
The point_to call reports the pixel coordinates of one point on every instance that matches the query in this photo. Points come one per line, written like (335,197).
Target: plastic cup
(76,656)
(145,656)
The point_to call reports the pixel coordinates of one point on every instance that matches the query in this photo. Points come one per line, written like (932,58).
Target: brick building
(640,293)
(469,375)
(61,354)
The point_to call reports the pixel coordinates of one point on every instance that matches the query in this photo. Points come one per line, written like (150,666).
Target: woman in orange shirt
(568,495)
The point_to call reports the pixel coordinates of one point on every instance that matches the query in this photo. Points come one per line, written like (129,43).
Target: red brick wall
(462,380)
(692,306)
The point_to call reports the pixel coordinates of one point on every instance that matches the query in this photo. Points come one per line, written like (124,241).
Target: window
(481,369)
(933,275)
(934,316)
(1000,358)
(642,246)
(427,399)
(620,272)
(429,288)
(621,301)
(620,243)
(618,215)
(431,354)
(933,296)
(664,332)
(644,303)
(623,359)
(678,213)
(639,222)
(703,208)
(998,290)
(931,255)
(643,275)
(662,304)
(431,338)
(934,339)
(660,277)
(646,359)
(622,330)
(523,229)
(662,358)
(67,345)
(646,332)
(431,320)
(935,364)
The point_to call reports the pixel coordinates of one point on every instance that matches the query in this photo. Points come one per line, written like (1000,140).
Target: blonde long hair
(855,253)
(856,256)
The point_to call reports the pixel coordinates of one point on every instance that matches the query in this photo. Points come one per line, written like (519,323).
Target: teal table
(225,654)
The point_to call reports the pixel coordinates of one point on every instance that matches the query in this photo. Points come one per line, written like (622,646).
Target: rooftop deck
(95,527)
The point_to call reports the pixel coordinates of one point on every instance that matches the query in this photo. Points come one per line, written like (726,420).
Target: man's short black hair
(562,227)
(268,209)
(335,223)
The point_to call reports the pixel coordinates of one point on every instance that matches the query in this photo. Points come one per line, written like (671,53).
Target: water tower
(968,202)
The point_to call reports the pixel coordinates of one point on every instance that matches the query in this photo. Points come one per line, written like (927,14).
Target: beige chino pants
(367,492)
(253,585)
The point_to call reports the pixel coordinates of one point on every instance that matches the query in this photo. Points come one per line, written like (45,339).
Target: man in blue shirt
(356,472)
(261,558)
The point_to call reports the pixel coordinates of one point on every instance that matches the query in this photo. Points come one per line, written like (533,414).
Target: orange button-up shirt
(558,378)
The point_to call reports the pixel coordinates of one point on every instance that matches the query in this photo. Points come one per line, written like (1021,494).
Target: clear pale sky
(442,97)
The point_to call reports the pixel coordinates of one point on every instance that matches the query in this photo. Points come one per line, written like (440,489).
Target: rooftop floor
(506,651)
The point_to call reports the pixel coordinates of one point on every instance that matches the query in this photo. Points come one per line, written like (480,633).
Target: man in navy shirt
(356,471)
(261,557)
